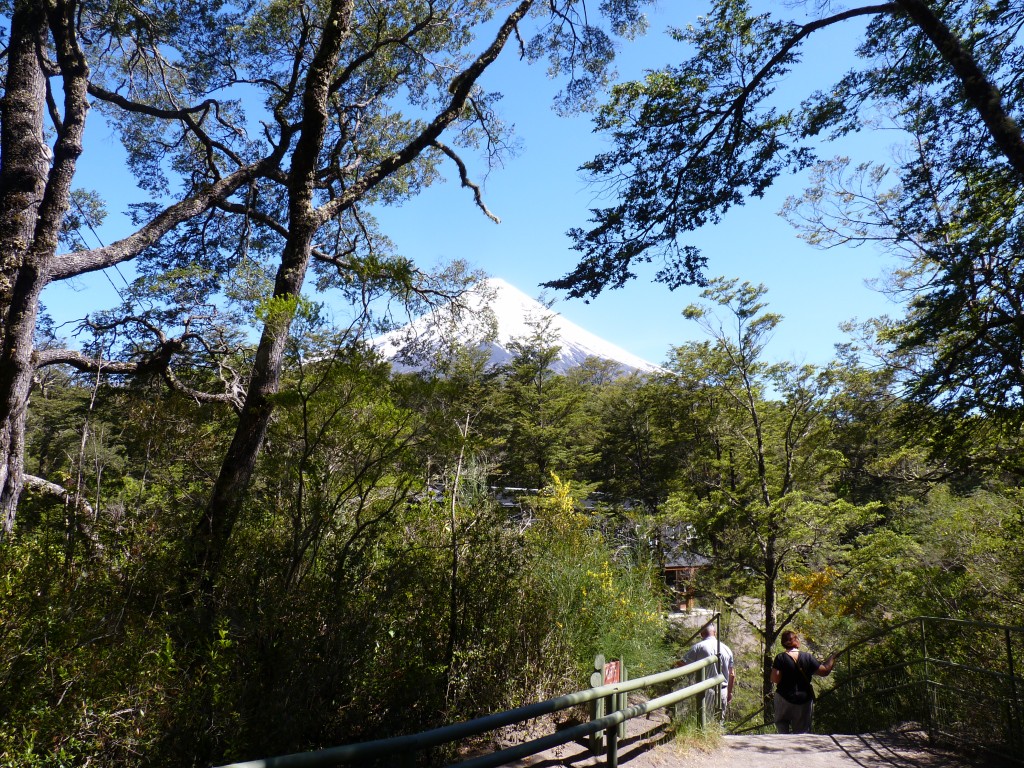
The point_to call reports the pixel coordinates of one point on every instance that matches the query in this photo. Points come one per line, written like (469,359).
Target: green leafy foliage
(370,583)
(353,592)
(541,410)
(690,142)
(593,602)
(374,586)
(758,494)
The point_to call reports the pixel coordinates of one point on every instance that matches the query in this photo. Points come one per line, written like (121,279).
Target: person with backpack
(792,671)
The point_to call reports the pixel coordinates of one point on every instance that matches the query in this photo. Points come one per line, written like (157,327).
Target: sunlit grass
(689,737)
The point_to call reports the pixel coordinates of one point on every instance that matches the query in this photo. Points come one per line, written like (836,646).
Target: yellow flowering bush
(597,600)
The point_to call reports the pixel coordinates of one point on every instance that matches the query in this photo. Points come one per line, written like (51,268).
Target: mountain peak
(493,316)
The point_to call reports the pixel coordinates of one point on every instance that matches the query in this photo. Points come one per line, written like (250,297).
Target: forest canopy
(697,137)
(232,530)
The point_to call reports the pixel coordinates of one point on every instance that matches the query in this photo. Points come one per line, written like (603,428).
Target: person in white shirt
(710,645)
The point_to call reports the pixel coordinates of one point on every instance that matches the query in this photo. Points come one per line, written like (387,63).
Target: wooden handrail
(332,756)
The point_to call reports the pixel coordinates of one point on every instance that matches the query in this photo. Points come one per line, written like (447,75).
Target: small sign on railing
(612,672)
(607,673)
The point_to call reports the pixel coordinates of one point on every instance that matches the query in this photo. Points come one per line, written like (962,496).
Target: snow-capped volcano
(494,316)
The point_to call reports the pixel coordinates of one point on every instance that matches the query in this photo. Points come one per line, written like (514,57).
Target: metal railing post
(1015,735)
(703,711)
(679,710)
(623,698)
(612,735)
(851,711)
(721,667)
(928,690)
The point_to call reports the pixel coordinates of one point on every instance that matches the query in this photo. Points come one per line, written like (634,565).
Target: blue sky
(539,195)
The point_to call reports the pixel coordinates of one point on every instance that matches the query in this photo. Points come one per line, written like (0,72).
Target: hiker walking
(792,671)
(710,645)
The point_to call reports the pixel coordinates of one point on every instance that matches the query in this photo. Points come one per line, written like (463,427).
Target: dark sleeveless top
(795,677)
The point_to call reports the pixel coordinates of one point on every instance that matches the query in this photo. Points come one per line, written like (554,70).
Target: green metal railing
(405,748)
(959,680)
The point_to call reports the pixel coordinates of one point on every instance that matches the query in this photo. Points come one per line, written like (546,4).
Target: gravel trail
(647,746)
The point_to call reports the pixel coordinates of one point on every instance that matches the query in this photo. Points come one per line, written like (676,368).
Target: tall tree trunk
(453,591)
(210,537)
(770,629)
(16,371)
(34,198)
(24,164)
(979,90)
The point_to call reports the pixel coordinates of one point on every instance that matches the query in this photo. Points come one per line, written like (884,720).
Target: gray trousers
(711,699)
(792,718)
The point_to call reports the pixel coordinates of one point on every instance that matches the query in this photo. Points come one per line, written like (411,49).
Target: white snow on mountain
(495,315)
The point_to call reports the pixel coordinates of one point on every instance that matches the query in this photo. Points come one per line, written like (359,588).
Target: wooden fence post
(597,705)
(612,675)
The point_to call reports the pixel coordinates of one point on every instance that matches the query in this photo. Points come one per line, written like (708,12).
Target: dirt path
(647,746)
(887,750)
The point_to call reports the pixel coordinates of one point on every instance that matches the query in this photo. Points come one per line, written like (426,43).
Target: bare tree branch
(82,262)
(157,362)
(460,88)
(80,505)
(466,181)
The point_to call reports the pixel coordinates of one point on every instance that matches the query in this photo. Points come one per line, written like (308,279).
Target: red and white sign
(612,672)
